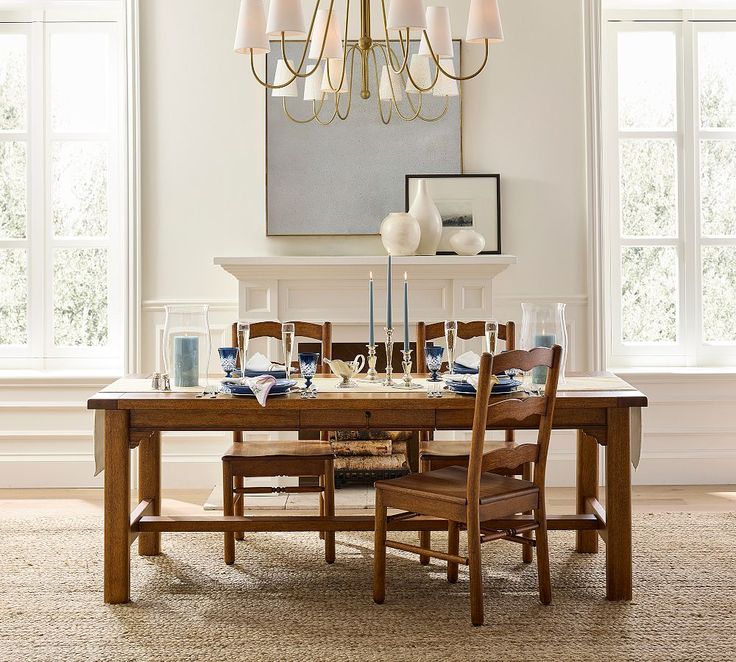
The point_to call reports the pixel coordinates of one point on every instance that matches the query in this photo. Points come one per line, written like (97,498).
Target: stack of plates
(281,387)
(463,369)
(278,374)
(505,385)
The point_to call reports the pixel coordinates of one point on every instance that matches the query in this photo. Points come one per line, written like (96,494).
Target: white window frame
(39,23)
(689,350)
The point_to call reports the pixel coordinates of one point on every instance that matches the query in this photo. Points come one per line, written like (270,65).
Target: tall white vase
(429,219)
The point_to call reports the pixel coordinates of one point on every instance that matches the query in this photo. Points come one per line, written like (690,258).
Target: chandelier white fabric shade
(419,70)
(384,89)
(286,16)
(250,34)
(484,22)
(446,87)
(333,43)
(406,14)
(313,86)
(283,75)
(439,32)
(335,69)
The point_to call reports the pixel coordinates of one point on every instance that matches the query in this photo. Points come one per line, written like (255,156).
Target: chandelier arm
(436,61)
(378,87)
(266,84)
(315,111)
(346,51)
(405,54)
(350,87)
(306,45)
(319,120)
(440,116)
(415,110)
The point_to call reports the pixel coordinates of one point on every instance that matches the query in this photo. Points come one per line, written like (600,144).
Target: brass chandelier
(405,79)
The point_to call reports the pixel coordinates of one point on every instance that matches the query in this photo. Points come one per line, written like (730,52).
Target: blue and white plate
(463,369)
(278,374)
(505,385)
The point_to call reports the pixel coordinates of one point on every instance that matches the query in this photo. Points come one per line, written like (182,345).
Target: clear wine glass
(287,345)
(450,340)
(491,331)
(243,340)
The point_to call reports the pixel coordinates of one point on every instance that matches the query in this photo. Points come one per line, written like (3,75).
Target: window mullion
(37,185)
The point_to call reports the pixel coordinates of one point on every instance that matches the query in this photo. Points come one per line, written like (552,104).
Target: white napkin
(261,387)
(469,360)
(258,362)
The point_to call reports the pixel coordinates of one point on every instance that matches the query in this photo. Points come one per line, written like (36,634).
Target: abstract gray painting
(343,179)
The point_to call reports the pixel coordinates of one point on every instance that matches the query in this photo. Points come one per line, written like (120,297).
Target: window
(62,190)
(670,173)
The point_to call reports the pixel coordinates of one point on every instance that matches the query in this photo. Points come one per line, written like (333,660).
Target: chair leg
(240,506)
(379,551)
(545,583)
(474,566)
(329,498)
(453,547)
(322,504)
(227,507)
(425,537)
(526,550)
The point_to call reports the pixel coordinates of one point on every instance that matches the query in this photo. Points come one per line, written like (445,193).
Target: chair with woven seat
(294,458)
(436,454)
(486,504)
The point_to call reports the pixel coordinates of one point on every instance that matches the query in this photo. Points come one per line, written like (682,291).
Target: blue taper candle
(406,313)
(389,303)
(371,338)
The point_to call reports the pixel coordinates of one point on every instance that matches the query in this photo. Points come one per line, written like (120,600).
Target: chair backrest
(510,410)
(311,330)
(465,330)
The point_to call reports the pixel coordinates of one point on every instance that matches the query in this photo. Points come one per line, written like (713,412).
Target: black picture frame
(496,180)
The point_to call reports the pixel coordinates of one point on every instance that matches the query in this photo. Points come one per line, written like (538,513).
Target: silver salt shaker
(156,381)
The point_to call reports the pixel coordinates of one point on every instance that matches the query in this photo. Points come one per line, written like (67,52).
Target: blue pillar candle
(371,321)
(389,303)
(406,313)
(539,374)
(186,361)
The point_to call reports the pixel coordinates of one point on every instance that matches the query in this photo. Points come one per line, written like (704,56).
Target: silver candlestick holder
(372,374)
(389,357)
(406,383)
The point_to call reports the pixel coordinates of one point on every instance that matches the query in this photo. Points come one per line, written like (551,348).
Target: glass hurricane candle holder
(187,345)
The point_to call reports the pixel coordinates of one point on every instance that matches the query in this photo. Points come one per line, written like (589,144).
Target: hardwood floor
(71,502)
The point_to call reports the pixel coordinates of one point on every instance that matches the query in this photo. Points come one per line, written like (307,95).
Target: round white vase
(429,219)
(467,242)
(400,234)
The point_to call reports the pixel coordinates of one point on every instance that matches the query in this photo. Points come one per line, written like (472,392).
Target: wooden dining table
(130,420)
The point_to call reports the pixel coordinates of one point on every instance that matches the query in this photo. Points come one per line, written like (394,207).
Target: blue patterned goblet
(228,359)
(308,366)
(433,357)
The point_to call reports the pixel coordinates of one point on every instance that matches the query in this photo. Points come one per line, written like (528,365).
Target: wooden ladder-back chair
(435,454)
(258,459)
(486,504)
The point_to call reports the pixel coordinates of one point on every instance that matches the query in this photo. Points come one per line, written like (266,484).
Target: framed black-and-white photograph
(465,202)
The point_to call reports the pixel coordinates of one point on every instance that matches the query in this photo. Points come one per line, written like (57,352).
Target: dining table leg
(586,485)
(618,506)
(117,508)
(149,487)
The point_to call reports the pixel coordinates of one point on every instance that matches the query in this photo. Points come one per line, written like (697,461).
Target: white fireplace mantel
(336,288)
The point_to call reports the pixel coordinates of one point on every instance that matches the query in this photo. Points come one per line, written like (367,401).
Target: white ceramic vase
(400,234)
(467,242)
(429,219)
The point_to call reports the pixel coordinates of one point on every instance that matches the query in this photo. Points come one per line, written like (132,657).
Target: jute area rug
(281,602)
